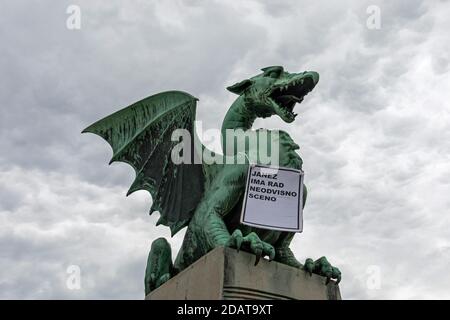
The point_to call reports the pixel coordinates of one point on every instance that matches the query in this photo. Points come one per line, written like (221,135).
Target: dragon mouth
(285,97)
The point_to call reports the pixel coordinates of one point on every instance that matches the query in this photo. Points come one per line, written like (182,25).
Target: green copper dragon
(207,198)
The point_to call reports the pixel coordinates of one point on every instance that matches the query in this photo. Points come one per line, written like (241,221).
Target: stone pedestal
(225,273)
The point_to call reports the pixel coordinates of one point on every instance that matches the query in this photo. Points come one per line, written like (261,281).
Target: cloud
(374,134)
(62,221)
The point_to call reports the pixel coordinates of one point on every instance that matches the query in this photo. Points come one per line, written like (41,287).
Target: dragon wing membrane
(140,135)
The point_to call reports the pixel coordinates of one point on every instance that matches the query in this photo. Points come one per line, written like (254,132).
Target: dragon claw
(323,268)
(258,257)
(253,244)
(337,274)
(272,255)
(309,266)
(238,244)
(236,240)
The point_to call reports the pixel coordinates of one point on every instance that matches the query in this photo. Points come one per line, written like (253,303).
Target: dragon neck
(238,117)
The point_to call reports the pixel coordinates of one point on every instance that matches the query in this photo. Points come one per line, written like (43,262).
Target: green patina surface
(207,198)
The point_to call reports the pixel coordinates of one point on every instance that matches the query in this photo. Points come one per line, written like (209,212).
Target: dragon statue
(207,198)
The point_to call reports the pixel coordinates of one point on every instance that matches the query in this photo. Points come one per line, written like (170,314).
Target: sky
(374,134)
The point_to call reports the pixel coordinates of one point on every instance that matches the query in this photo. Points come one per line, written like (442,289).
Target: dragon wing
(140,135)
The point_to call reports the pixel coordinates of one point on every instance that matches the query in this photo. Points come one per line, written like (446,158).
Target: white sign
(273,199)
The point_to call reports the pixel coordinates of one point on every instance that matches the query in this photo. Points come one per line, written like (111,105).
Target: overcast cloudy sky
(374,134)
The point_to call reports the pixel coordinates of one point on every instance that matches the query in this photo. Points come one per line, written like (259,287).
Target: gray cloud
(374,134)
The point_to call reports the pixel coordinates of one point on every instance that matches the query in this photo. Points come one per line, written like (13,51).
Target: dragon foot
(251,243)
(323,268)
(159,265)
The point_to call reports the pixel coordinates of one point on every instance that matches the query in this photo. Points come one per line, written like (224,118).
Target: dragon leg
(283,253)
(207,230)
(159,265)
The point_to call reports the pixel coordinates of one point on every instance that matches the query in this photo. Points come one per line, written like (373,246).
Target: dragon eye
(274,74)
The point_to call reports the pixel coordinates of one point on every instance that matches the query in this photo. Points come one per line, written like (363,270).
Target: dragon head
(275,91)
